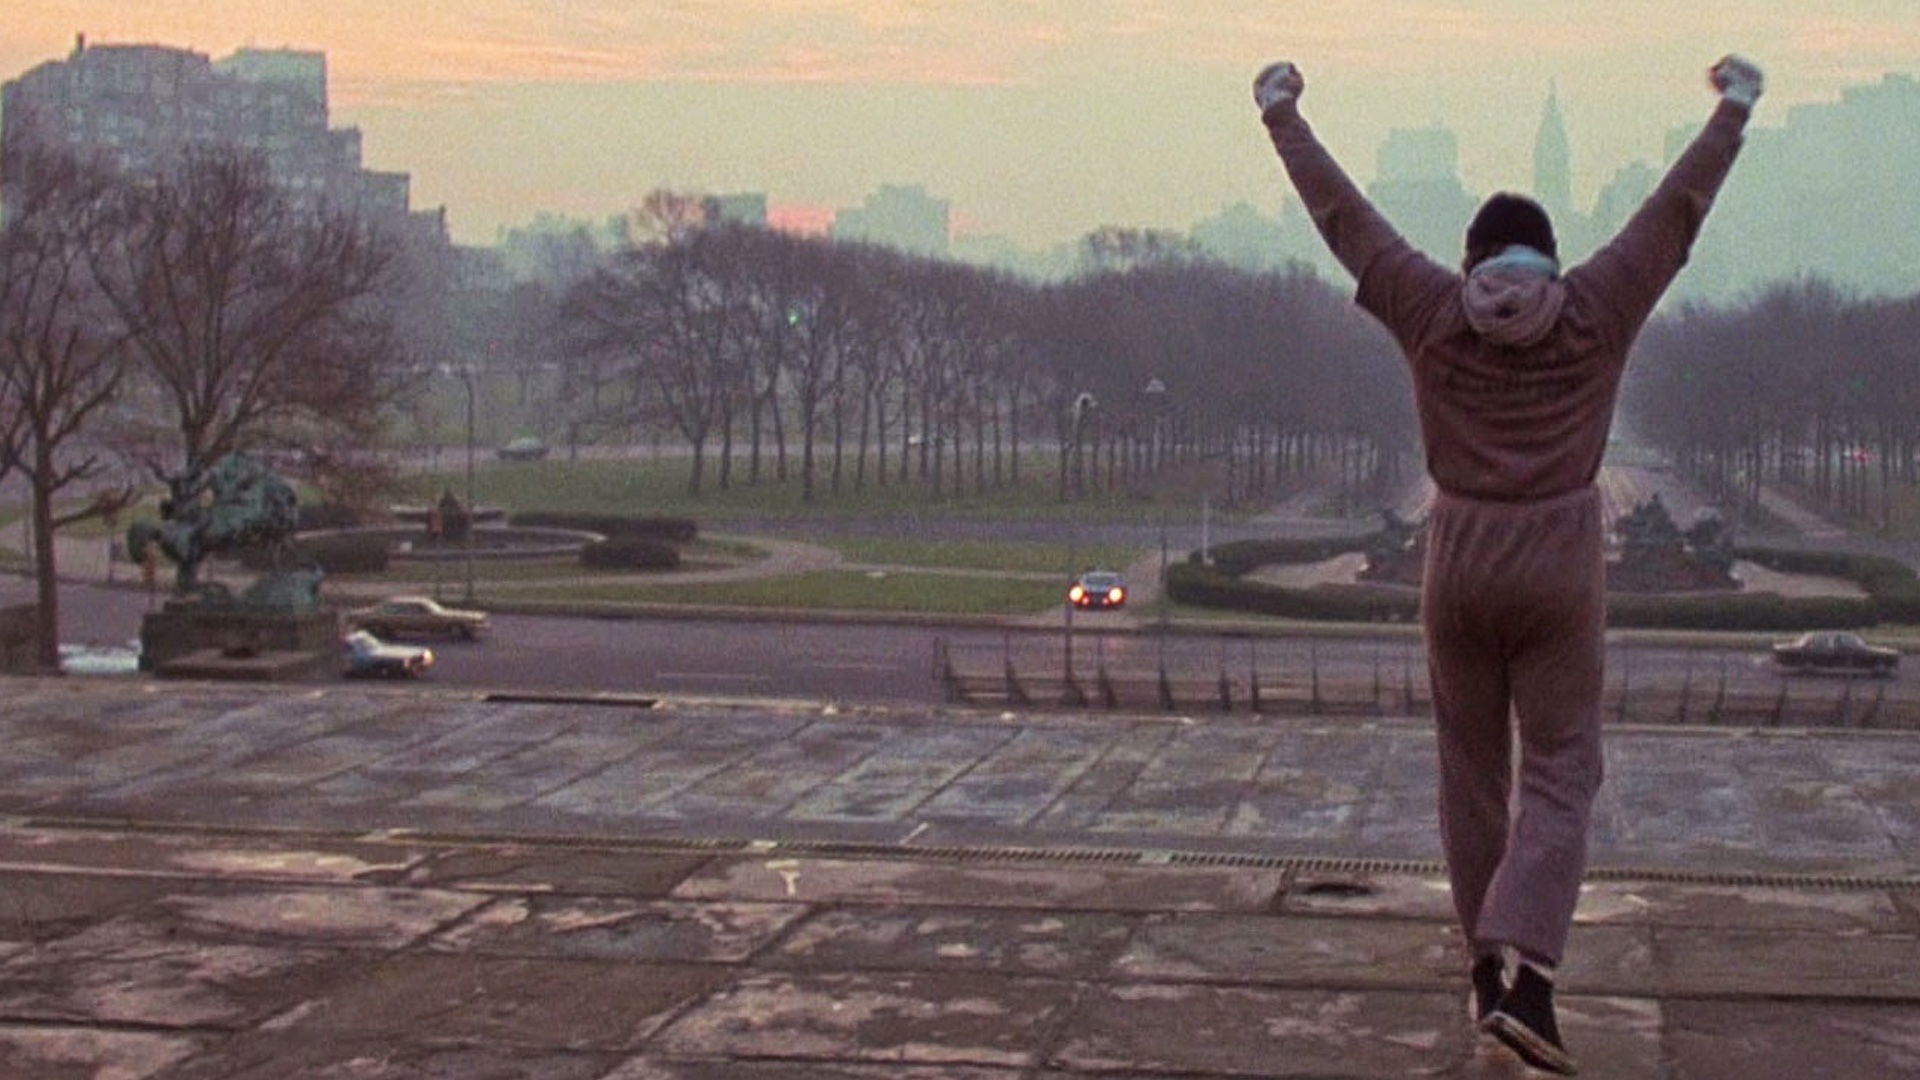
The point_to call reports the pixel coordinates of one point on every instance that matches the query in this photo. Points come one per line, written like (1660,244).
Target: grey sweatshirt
(1515,373)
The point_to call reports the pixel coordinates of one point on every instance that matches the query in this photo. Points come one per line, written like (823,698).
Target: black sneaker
(1524,1022)
(1489,976)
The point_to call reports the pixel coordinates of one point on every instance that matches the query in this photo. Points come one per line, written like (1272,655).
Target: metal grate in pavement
(981,853)
(1327,864)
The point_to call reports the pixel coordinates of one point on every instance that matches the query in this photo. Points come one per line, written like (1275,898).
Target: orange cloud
(800,219)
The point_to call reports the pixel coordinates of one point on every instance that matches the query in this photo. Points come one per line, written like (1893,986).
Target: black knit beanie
(1506,219)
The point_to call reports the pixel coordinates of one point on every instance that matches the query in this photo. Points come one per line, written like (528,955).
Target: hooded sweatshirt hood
(1514,299)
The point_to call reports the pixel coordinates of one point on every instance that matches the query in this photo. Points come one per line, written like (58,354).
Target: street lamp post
(466,380)
(1083,405)
(473,508)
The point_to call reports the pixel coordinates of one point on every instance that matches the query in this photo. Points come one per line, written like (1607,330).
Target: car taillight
(1116,594)
(1077,594)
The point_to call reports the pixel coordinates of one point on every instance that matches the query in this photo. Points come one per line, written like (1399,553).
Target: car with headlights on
(1098,589)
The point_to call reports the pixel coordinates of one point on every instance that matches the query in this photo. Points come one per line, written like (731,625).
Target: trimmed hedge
(1242,557)
(318,517)
(1892,587)
(332,554)
(630,553)
(673,530)
(1209,586)
(1737,611)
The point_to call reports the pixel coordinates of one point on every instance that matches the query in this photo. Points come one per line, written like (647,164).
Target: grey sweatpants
(1513,607)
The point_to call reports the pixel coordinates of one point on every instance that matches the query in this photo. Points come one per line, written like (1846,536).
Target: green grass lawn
(986,555)
(971,577)
(657,487)
(842,590)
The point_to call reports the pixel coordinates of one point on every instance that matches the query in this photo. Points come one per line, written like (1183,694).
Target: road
(851,665)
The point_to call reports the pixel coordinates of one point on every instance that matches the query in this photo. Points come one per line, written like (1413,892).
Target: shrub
(333,554)
(315,517)
(672,529)
(630,553)
(1191,583)
(1242,557)
(1892,587)
(1736,611)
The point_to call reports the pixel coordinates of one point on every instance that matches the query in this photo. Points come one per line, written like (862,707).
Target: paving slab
(1751,907)
(562,1004)
(1080,888)
(57,1050)
(573,869)
(619,928)
(364,918)
(728,1068)
(908,1017)
(1695,962)
(1059,944)
(1264,1032)
(279,1055)
(1740,1040)
(131,972)
(1256,950)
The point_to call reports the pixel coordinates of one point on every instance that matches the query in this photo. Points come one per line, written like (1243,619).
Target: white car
(418,616)
(524,448)
(367,657)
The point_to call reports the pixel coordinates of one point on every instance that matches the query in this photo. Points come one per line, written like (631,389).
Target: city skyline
(1039,123)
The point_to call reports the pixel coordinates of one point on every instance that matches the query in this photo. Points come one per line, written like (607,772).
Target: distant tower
(1553,161)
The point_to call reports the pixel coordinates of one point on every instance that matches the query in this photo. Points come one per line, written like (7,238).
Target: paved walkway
(220,881)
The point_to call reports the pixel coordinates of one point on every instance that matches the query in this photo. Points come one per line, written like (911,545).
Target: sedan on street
(367,657)
(418,616)
(1098,589)
(1835,650)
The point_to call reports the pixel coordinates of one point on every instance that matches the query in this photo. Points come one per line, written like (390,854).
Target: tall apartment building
(1417,186)
(142,106)
(902,216)
(1553,161)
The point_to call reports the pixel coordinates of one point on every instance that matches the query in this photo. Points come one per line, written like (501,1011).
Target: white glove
(1737,80)
(1277,83)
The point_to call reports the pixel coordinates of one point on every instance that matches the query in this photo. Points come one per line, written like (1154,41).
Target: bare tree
(875,355)
(61,358)
(1798,385)
(661,320)
(248,314)
(804,299)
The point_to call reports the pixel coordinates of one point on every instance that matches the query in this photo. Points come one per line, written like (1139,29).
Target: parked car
(1098,589)
(1835,650)
(418,616)
(524,448)
(367,657)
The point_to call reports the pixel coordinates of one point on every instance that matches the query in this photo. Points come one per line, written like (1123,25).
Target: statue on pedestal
(1657,556)
(1396,555)
(237,503)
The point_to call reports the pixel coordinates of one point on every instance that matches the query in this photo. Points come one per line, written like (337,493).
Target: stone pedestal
(196,641)
(19,638)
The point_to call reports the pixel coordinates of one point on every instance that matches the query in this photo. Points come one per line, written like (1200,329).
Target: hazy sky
(1039,119)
